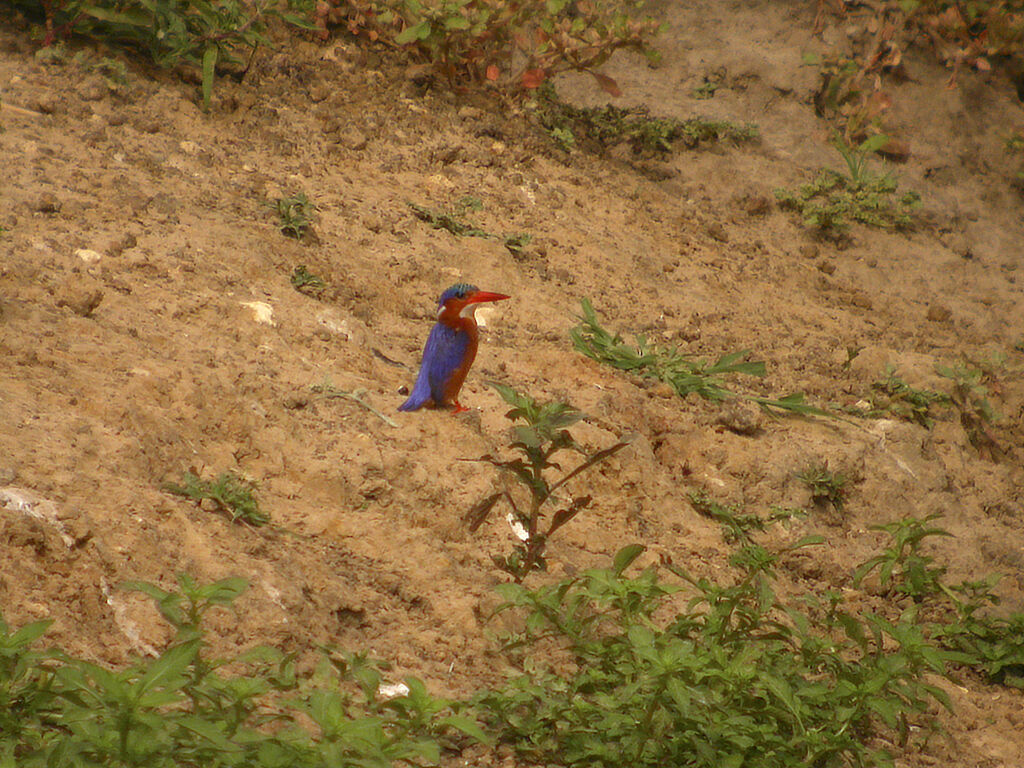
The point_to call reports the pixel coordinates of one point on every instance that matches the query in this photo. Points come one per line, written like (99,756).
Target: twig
(329,391)
(20,110)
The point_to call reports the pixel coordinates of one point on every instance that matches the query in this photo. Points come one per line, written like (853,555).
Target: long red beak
(481,296)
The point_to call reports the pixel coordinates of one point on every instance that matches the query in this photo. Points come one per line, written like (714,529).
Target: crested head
(457,291)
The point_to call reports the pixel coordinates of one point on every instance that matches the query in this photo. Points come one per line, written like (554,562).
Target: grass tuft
(232,495)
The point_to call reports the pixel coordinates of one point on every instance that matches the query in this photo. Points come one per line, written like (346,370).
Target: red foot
(459,408)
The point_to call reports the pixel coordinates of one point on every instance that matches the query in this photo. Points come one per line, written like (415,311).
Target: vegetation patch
(893,396)
(233,496)
(600,128)
(682,372)
(833,200)
(736,678)
(188,708)
(537,439)
(295,215)
(826,486)
(513,44)
(306,282)
(452,221)
(209,35)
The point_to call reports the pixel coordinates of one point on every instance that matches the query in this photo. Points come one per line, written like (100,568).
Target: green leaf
(625,557)
(467,726)
(27,634)
(411,34)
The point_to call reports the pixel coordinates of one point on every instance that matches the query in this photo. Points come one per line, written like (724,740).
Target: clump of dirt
(149,326)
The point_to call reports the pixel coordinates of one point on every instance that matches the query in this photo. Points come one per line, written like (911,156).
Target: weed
(992,645)
(206,34)
(185,708)
(894,396)
(306,282)
(707,89)
(682,372)
(295,214)
(518,44)
(852,353)
(738,525)
(604,127)
(541,435)
(833,200)
(737,678)
(972,385)
(233,496)
(901,567)
(826,486)
(452,221)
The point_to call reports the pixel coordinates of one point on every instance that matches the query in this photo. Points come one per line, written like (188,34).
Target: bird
(450,349)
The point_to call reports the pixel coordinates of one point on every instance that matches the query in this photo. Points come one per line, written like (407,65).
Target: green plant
(306,282)
(826,486)
(188,708)
(737,678)
(892,395)
(541,435)
(833,200)
(738,525)
(607,126)
(207,34)
(707,89)
(973,382)
(295,214)
(993,645)
(901,566)
(516,43)
(234,496)
(685,374)
(451,221)
(990,644)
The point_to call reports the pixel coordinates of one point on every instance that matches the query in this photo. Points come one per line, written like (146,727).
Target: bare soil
(139,248)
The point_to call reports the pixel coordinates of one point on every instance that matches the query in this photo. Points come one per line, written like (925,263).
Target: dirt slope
(122,368)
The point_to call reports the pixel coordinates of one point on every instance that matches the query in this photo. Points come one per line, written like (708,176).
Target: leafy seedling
(684,373)
(736,524)
(972,386)
(893,396)
(833,200)
(826,486)
(295,215)
(902,567)
(306,282)
(452,221)
(542,434)
(232,495)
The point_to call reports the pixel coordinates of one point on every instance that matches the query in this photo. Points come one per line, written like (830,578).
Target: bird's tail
(420,396)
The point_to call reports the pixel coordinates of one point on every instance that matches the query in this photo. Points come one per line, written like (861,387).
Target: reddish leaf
(608,85)
(532,78)
(493,72)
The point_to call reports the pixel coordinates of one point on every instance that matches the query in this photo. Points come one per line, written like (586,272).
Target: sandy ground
(138,248)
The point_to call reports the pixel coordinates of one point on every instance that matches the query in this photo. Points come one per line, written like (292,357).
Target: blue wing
(443,354)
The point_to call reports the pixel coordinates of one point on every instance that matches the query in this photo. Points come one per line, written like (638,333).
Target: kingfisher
(450,349)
